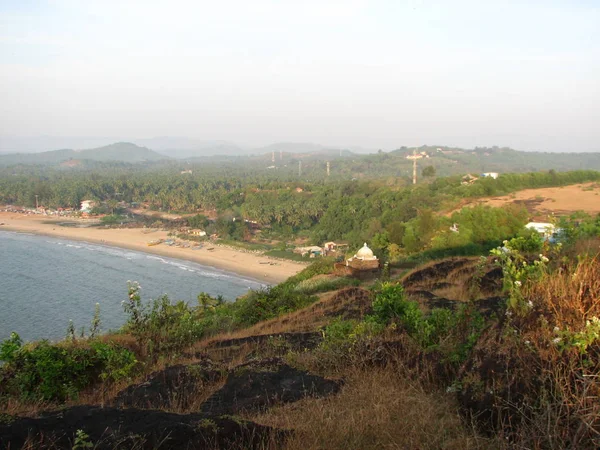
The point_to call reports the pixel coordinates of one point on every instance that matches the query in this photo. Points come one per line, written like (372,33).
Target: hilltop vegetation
(285,158)
(395,218)
(493,343)
(511,340)
(121,152)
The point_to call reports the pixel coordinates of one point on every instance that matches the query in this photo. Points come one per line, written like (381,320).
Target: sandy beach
(242,263)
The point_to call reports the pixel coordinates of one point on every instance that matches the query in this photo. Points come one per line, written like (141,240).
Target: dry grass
(568,300)
(548,391)
(376,409)
(570,295)
(451,278)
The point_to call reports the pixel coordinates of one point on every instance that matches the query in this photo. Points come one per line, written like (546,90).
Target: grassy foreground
(500,351)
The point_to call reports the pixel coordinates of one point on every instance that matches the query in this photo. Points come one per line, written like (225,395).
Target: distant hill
(121,151)
(445,160)
(183,148)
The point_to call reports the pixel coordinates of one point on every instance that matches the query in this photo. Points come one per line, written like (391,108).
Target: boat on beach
(155,242)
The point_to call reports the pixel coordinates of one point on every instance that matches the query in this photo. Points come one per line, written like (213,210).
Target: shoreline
(237,262)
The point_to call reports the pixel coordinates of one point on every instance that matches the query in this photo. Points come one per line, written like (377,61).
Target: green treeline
(391,215)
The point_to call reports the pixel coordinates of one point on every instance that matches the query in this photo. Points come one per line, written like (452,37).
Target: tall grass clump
(535,376)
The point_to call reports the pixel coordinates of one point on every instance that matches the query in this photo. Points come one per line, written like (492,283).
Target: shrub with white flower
(580,340)
(134,307)
(516,271)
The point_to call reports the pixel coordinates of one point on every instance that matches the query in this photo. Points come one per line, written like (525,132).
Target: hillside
(458,161)
(121,151)
(441,356)
(184,148)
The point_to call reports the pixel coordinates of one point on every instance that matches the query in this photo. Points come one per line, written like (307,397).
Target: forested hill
(308,162)
(457,161)
(121,151)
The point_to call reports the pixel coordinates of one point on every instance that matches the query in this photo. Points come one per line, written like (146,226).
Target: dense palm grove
(389,212)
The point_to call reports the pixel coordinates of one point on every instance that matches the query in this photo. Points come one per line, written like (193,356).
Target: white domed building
(363,260)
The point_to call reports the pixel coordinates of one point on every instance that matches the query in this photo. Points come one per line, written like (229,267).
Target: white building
(87,205)
(493,175)
(547,230)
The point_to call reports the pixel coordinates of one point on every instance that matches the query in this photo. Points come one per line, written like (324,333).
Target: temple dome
(365,253)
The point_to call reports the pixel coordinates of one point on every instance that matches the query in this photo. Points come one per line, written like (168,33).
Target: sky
(371,73)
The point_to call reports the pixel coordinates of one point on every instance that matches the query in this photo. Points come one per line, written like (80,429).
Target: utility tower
(299,168)
(414,158)
(272,156)
(328,168)
(280,155)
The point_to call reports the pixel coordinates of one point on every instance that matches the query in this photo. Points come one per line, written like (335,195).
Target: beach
(262,268)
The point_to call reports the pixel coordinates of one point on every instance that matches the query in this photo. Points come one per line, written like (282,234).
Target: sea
(45,282)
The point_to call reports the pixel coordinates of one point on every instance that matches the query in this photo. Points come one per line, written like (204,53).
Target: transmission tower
(414,158)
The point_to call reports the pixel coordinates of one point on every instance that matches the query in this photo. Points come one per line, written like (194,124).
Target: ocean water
(46,281)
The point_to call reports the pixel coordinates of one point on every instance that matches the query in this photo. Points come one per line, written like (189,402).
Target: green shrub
(162,326)
(10,347)
(390,303)
(56,372)
(338,331)
(117,363)
(453,332)
(320,267)
(268,303)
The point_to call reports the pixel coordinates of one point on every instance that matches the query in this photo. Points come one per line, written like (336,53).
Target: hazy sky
(379,74)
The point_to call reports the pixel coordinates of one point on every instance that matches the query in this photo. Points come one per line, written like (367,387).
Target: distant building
(547,230)
(196,232)
(312,251)
(87,205)
(468,179)
(330,246)
(493,175)
(189,171)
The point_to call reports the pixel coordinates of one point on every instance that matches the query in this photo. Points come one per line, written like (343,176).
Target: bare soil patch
(542,202)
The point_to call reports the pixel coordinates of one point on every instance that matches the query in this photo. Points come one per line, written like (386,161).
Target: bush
(456,330)
(391,303)
(161,326)
(269,303)
(57,372)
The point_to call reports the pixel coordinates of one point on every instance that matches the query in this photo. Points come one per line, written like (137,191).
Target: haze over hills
(285,156)
(120,151)
(179,147)
(183,147)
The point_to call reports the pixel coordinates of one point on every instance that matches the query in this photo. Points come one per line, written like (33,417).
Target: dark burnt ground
(176,387)
(263,345)
(448,283)
(258,385)
(111,428)
(293,341)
